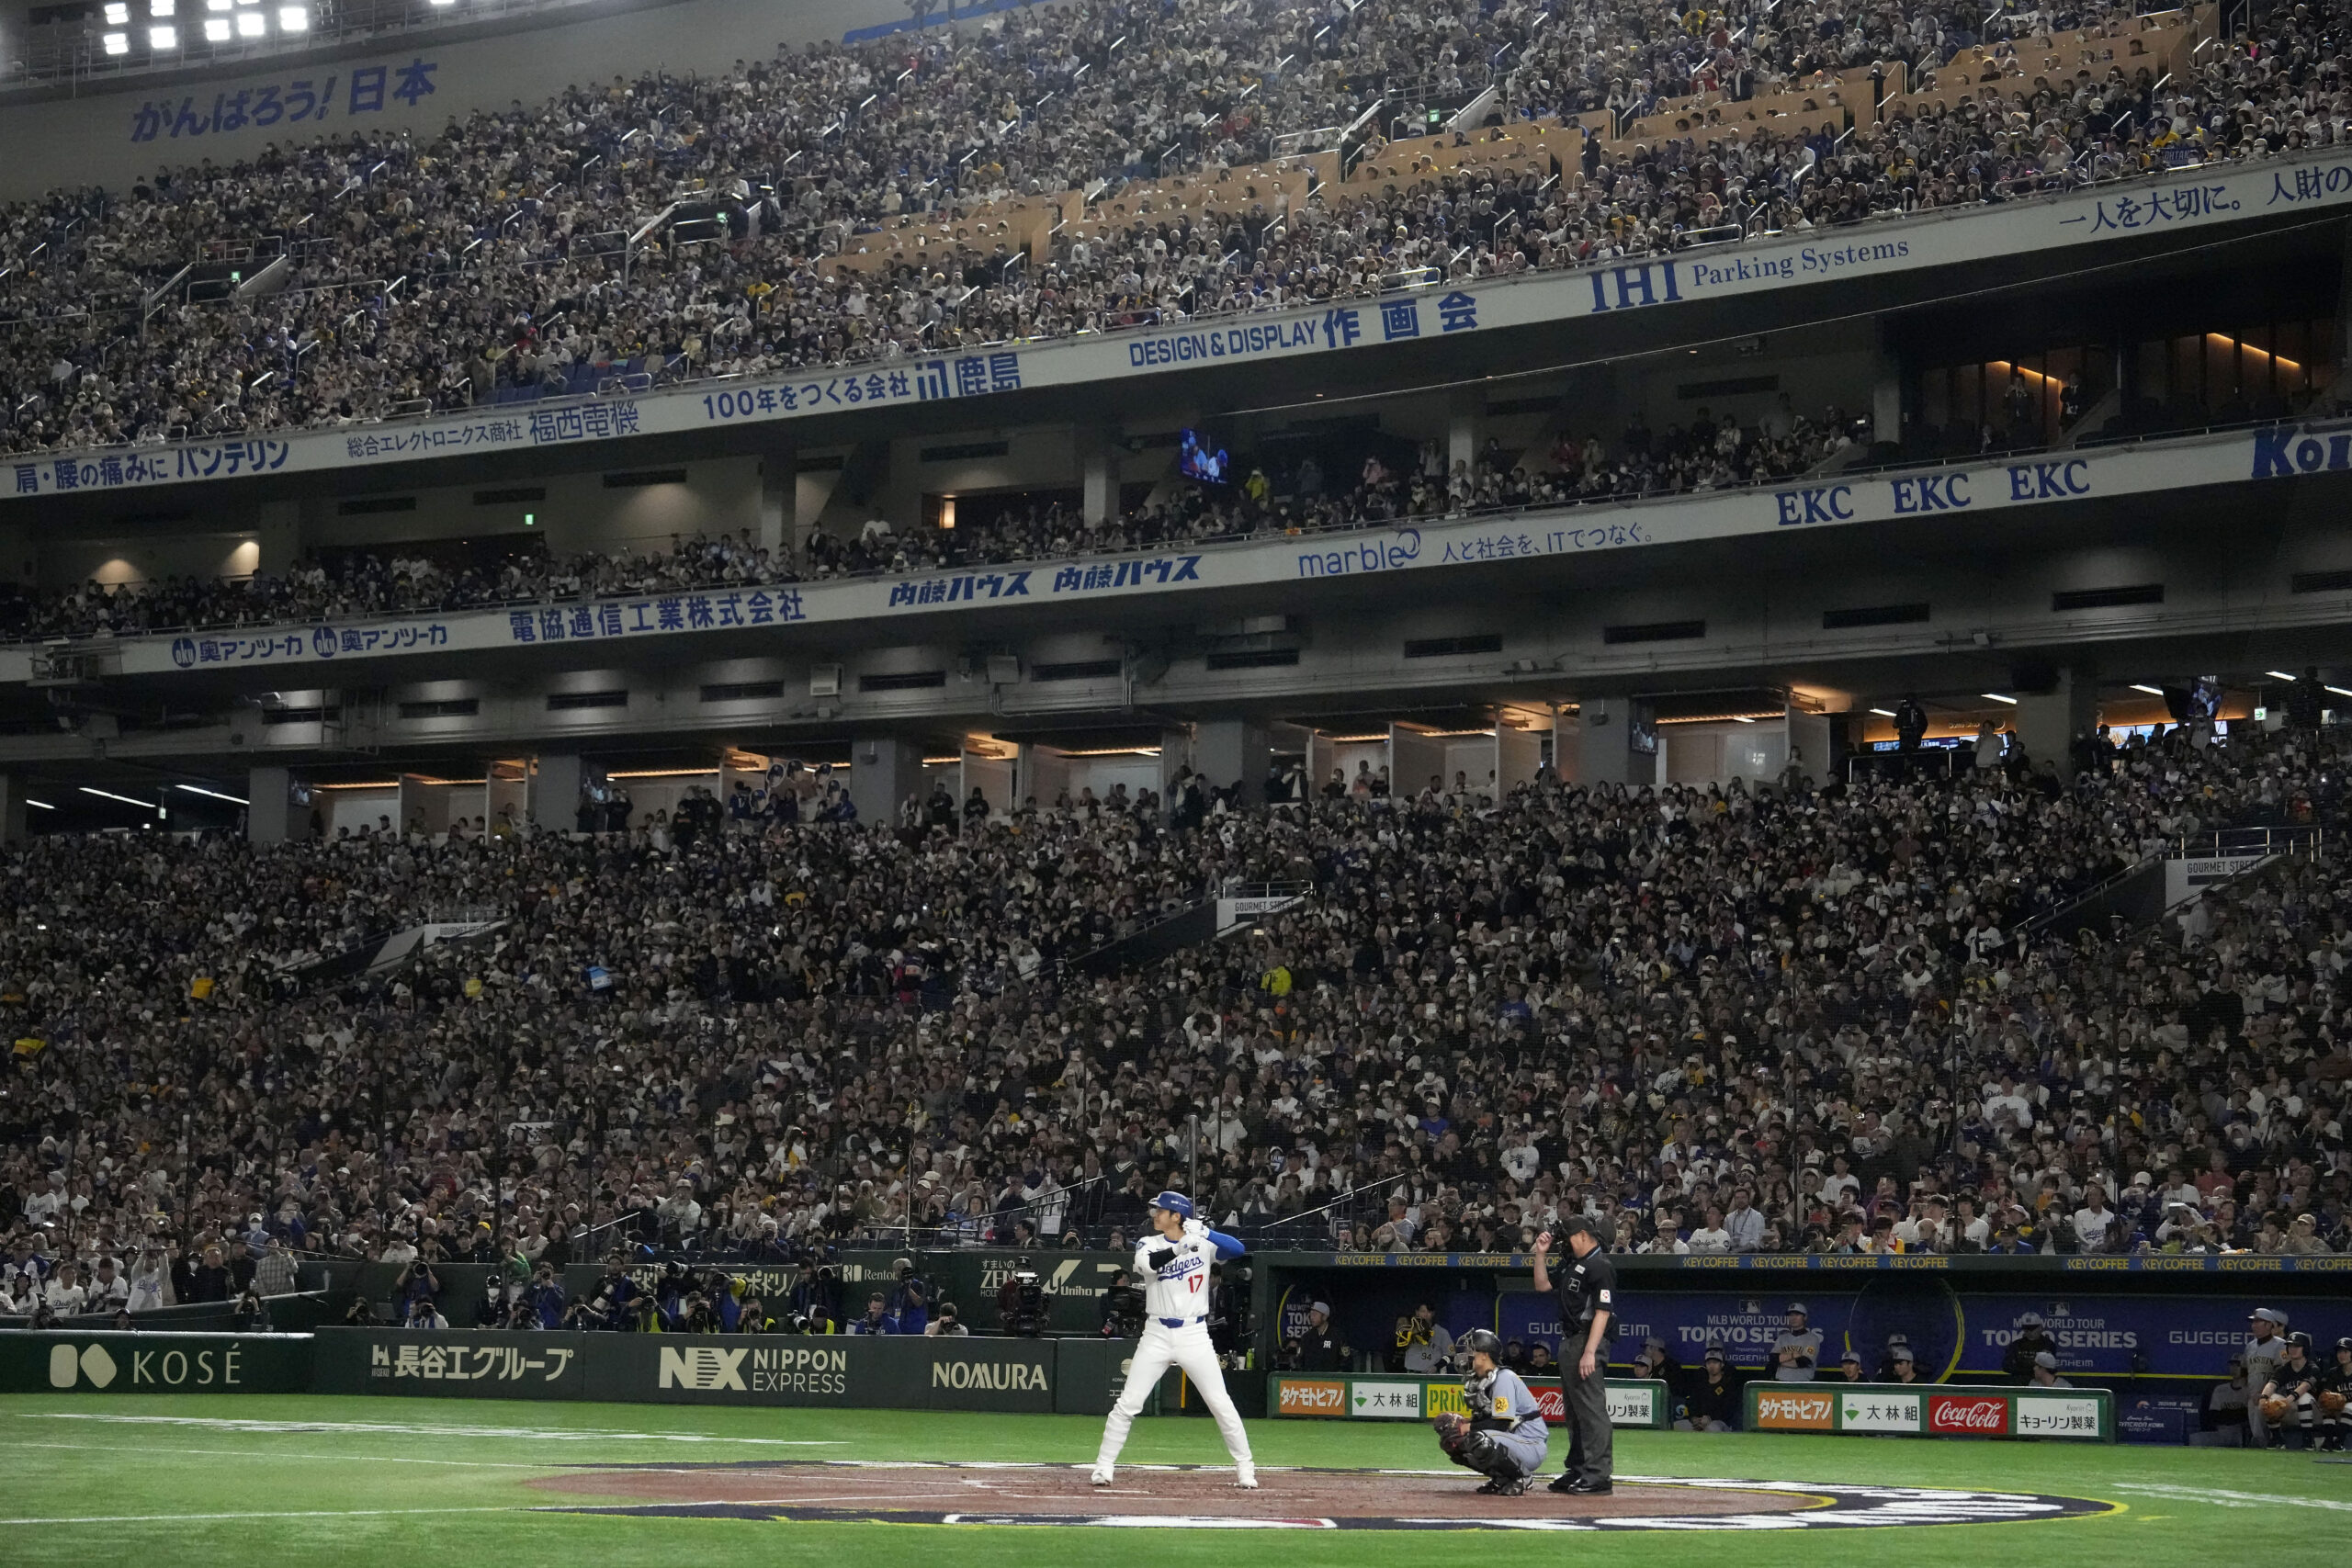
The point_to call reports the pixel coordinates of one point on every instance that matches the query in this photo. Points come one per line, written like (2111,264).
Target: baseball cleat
(1246,1479)
(1100,1478)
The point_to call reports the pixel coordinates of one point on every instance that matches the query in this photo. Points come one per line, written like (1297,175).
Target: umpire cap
(1481,1340)
(1175,1203)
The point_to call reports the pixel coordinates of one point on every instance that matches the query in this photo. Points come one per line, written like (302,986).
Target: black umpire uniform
(1587,1288)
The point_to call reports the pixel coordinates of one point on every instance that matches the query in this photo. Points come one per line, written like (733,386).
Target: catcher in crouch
(1504,1438)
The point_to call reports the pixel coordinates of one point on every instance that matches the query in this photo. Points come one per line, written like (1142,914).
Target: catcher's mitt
(2277,1407)
(1452,1431)
(2332,1402)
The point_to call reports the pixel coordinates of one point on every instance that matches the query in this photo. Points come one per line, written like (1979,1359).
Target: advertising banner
(1632,1402)
(451,1363)
(1968,1414)
(1861,1408)
(68,1362)
(1792,1407)
(2084,1415)
(1387,1401)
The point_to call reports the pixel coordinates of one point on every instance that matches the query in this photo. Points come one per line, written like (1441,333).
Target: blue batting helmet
(1175,1203)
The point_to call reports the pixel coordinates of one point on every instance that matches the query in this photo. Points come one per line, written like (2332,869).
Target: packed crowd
(1708,454)
(1791,1018)
(489,263)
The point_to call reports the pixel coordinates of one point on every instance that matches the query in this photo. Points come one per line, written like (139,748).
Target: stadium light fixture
(109,794)
(217,6)
(293,19)
(116,43)
(2152,691)
(216,795)
(163,39)
(42,804)
(443,4)
(1884,713)
(2279,675)
(163,7)
(118,13)
(217,29)
(251,24)
(2340,692)
(1998,698)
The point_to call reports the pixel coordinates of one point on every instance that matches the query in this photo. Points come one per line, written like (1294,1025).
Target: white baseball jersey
(1179,1288)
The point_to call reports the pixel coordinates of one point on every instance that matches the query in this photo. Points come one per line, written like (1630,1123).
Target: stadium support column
(12,810)
(1098,462)
(1462,431)
(554,803)
(271,815)
(1605,743)
(1226,749)
(1813,745)
(1886,392)
(884,770)
(2048,721)
(780,502)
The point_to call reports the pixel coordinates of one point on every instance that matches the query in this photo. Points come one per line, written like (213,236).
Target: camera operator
(1122,1308)
(910,1305)
(1020,1302)
(947,1325)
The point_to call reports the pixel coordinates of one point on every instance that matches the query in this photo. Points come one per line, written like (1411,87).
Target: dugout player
(2335,1399)
(1587,1295)
(2290,1399)
(1173,1265)
(1504,1438)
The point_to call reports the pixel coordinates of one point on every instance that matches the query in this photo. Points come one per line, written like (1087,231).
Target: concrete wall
(111,133)
(578,513)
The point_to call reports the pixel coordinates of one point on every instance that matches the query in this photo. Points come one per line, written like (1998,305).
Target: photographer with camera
(908,1308)
(947,1325)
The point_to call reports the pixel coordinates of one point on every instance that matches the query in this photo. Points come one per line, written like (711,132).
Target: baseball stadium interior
(1614,732)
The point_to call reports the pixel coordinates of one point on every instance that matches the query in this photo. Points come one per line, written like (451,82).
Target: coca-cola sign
(1982,1417)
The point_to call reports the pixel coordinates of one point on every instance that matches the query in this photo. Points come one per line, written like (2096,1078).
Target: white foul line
(418,1428)
(2223,1499)
(274,1458)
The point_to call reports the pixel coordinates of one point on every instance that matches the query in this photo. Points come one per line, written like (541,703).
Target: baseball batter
(1174,1267)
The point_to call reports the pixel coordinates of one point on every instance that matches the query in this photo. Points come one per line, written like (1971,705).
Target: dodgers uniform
(1504,1413)
(1176,1331)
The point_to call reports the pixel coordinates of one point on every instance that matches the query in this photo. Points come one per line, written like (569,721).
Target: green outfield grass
(179,1495)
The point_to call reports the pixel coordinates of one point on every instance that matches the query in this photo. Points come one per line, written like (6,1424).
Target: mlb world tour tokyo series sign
(2196,199)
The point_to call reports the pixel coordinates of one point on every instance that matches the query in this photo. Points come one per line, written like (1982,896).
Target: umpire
(1588,1294)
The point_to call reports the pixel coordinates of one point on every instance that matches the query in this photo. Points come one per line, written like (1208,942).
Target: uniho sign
(1981,1417)
(1002,1377)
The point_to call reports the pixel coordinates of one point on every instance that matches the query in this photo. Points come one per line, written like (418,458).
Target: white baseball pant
(1189,1349)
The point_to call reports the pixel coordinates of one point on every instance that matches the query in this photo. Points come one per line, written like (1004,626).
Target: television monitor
(1196,459)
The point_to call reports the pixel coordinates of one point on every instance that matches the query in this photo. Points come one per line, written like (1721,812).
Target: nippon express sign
(806,1371)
